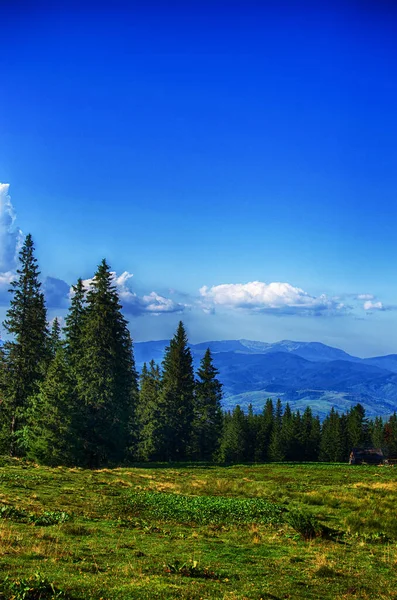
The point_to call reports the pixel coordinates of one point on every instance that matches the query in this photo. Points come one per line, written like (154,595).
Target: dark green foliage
(191,570)
(207,421)
(304,523)
(51,432)
(106,376)
(74,326)
(54,340)
(176,405)
(234,440)
(332,446)
(205,509)
(276,447)
(27,353)
(35,587)
(264,432)
(390,435)
(148,413)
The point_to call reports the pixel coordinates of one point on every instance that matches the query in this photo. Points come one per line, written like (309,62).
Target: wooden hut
(366,456)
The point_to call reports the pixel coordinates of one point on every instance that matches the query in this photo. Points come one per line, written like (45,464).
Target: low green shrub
(305,524)
(35,587)
(205,509)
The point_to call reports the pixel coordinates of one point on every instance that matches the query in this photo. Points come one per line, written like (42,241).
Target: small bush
(305,524)
(50,518)
(325,571)
(13,514)
(78,530)
(35,587)
(205,510)
(191,570)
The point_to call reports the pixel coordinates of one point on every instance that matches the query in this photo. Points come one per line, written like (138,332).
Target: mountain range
(301,373)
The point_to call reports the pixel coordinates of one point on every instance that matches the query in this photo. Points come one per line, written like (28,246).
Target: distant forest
(72,396)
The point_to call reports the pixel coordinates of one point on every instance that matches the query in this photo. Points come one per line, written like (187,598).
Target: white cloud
(135,305)
(365,297)
(369,305)
(10,243)
(272,297)
(10,236)
(152,303)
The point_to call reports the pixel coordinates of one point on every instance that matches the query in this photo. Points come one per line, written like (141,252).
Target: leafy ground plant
(237,521)
(205,509)
(191,569)
(35,587)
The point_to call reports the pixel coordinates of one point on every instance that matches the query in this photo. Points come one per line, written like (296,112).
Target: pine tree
(265,432)
(234,439)
(26,355)
(177,399)
(332,445)
(357,427)
(74,325)
(390,433)
(50,435)
(377,433)
(276,449)
(310,436)
(148,413)
(106,376)
(54,341)
(207,421)
(287,434)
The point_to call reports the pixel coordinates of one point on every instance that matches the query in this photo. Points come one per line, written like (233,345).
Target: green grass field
(267,531)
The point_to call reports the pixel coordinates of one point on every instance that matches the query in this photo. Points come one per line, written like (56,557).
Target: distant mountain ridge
(302,373)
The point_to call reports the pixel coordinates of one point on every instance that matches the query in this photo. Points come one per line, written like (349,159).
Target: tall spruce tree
(50,435)
(27,353)
(106,376)
(148,413)
(276,447)
(74,325)
(54,340)
(234,439)
(265,432)
(176,399)
(207,422)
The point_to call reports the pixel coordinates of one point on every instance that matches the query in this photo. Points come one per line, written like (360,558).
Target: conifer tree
(26,355)
(310,436)
(50,434)
(357,427)
(234,439)
(265,432)
(207,422)
(332,446)
(54,341)
(148,413)
(287,435)
(390,433)
(106,376)
(252,426)
(276,449)
(177,399)
(74,325)
(377,433)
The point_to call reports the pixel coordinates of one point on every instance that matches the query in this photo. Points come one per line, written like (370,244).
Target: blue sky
(202,148)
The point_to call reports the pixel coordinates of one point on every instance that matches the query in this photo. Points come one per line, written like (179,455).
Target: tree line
(279,434)
(73,396)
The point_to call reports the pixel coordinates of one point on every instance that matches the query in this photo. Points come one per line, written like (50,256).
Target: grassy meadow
(260,531)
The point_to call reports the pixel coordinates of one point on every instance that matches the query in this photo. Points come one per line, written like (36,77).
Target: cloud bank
(276,298)
(11,239)
(152,303)
(135,305)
